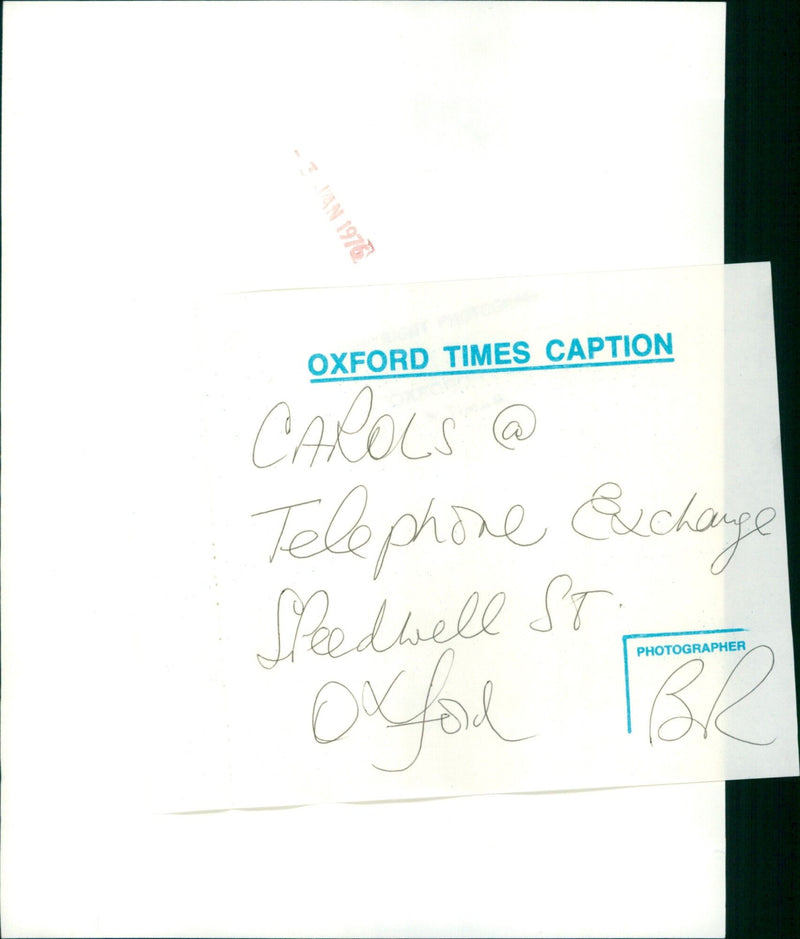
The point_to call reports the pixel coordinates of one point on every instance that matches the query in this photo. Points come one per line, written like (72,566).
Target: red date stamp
(349,235)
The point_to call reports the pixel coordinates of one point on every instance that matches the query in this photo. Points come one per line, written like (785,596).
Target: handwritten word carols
(363,432)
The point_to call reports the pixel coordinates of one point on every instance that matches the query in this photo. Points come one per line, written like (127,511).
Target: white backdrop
(148,160)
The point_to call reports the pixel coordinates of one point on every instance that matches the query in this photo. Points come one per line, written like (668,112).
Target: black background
(762,223)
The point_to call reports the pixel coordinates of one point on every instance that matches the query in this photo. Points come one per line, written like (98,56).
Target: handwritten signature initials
(681,720)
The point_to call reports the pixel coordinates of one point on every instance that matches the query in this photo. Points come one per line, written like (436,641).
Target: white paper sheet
(149,152)
(477,537)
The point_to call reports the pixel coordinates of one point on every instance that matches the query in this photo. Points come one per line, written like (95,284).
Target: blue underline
(373,376)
